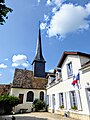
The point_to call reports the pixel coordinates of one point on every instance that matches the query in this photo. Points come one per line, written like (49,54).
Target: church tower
(39,62)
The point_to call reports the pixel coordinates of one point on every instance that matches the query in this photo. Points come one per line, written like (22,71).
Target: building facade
(68,89)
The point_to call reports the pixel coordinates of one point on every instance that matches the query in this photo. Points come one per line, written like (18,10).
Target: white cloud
(51,70)
(0,74)
(88,7)
(69,18)
(54,10)
(3,66)
(6,59)
(43,25)
(15,64)
(48,2)
(38,1)
(20,60)
(56,2)
(46,17)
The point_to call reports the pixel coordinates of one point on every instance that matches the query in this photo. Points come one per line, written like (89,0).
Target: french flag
(75,79)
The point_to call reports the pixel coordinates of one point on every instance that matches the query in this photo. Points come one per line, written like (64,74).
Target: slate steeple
(39,62)
(39,56)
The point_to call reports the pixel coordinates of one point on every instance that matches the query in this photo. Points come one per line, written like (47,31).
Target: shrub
(38,105)
(7,103)
(74,107)
(62,106)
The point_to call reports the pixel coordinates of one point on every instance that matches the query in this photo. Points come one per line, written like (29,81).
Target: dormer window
(57,76)
(69,69)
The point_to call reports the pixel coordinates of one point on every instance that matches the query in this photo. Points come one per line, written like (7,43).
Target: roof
(4,89)
(57,69)
(39,56)
(51,75)
(85,65)
(66,53)
(25,79)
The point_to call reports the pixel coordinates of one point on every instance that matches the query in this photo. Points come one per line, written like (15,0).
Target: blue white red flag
(75,79)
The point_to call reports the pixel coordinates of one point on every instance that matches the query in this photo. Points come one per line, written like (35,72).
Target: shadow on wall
(21,118)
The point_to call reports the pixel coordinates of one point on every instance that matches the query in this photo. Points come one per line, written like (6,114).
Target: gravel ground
(36,116)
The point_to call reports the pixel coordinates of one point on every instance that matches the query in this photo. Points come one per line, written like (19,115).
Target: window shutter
(57,101)
(78,100)
(68,100)
(64,98)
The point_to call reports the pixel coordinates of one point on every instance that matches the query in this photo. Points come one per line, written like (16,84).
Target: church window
(30,96)
(21,98)
(41,95)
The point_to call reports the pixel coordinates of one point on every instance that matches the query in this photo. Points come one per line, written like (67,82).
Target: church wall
(26,105)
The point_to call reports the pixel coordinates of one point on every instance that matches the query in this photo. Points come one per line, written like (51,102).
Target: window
(21,98)
(42,95)
(61,101)
(73,100)
(30,96)
(56,75)
(69,69)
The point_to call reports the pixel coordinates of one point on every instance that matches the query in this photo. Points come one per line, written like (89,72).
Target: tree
(3,12)
(7,103)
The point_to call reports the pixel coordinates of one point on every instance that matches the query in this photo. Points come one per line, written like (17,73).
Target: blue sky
(65,26)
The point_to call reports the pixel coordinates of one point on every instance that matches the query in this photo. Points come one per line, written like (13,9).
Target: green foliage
(62,106)
(7,102)
(39,105)
(3,12)
(74,107)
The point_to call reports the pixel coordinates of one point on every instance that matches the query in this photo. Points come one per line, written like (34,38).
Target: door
(53,100)
(88,97)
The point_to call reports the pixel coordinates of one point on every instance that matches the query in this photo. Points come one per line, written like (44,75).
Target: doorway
(88,97)
(53,101)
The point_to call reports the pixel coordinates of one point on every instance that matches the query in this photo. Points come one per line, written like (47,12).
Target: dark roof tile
(25,79)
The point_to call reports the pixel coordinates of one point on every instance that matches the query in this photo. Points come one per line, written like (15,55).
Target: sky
(65,26)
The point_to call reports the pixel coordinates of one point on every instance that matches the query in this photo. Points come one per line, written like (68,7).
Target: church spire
(39,62)
(39,56)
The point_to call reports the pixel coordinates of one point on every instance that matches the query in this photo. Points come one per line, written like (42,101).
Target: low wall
(27,106)
(71,114)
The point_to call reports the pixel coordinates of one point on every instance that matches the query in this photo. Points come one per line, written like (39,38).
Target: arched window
(41,95)
(30,96)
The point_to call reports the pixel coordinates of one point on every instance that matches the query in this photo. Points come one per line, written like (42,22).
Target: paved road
(36,116)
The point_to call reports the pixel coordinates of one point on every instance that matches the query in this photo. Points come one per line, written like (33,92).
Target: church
(30,85)
(66,90)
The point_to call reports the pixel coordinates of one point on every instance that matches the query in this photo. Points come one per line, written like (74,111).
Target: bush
(7,103)
(38,105)
(74,107)
(62,106)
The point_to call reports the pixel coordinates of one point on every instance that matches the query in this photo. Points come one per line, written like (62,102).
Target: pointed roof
(39,56)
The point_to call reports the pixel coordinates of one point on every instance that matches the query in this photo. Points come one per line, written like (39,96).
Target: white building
(68,90)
